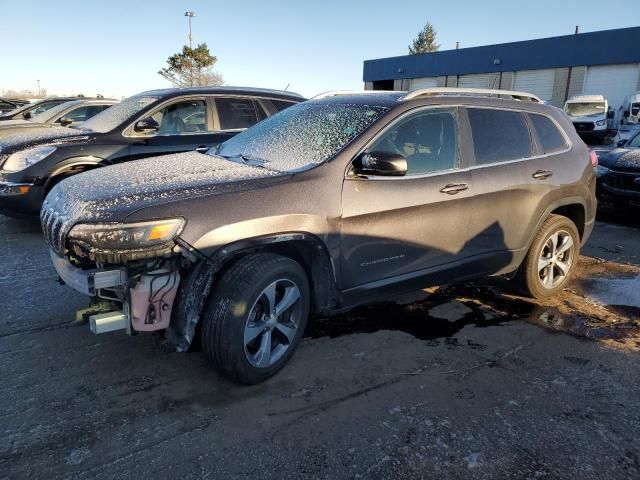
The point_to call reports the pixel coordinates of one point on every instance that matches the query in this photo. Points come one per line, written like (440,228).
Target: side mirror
(621,143)
(384,164)
(27,115)
(610,114)
(146,125)
(64,121)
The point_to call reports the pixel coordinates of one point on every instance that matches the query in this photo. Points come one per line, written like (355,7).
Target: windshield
(584,109)
(110,118)
(44,117)
(301,136)
(35,108)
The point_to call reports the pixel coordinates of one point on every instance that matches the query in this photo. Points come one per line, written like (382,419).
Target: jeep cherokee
(326,205)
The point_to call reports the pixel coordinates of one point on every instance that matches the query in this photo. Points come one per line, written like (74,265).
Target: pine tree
(192,67)
(425,42)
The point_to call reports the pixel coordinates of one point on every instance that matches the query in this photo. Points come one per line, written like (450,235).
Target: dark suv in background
(151,123)
(329,204)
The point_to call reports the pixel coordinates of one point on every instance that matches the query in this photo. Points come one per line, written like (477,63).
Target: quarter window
(498,135)
(427,140)
(550,138)
(238,113)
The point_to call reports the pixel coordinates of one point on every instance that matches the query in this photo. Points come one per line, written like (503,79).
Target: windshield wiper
(247,160)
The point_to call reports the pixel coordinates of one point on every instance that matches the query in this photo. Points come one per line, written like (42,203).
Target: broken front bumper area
(143,297)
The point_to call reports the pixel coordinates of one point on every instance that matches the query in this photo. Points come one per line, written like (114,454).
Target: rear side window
(550,138)
(281,104)
(499,135)
(236,113)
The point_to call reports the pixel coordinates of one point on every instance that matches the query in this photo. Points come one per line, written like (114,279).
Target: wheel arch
(71,166)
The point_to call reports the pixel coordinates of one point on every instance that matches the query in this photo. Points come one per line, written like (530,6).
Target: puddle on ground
(444,311)
(614,291)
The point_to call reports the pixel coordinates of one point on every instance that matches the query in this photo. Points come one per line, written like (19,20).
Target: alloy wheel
(272,323)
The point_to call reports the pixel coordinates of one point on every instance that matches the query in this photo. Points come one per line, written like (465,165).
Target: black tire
(233,300)
(530,279)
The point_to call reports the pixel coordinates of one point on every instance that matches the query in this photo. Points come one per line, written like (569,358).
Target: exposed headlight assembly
(127,236)
(25,158)
(601,171)
(600,123)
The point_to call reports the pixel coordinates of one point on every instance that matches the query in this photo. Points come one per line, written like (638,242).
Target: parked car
(66,114)
(25,112)
(329,204)
(631,109)
(151,123)
(8,105)
(618,173)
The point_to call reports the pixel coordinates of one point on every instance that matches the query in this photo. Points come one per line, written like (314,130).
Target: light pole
(190,14)
(38,94)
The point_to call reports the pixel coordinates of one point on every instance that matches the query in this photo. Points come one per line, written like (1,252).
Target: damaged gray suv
(329,204)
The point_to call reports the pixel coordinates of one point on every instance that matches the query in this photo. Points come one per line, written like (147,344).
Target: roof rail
(336,93)
(477,92)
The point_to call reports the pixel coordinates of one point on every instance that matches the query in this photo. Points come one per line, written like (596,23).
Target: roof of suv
(251,91)
(442,96)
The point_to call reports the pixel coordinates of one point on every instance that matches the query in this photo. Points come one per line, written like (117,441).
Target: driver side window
(186,116)
(428,140)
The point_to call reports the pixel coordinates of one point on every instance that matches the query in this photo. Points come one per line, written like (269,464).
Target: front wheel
(255,318)
(552,258)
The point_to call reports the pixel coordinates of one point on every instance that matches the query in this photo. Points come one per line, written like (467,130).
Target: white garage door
(615,82)
(424,82)
(538,82)
(476,80)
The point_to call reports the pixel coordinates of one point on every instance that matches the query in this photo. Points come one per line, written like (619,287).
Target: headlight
(601,122)
(125,236)
(25,158)
(601,171)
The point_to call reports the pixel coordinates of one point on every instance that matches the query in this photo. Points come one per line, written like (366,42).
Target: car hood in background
(110,194)
(31,137)
(621,159)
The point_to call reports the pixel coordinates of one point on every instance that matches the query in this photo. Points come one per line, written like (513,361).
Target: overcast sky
(115,47)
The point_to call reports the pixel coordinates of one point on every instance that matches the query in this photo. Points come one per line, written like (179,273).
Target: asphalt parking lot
(456,382)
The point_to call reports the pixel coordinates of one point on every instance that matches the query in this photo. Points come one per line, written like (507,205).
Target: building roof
(593,48)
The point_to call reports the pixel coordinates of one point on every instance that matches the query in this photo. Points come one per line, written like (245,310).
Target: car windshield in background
(45,116)
(584,109)
(113,116)
(301,136)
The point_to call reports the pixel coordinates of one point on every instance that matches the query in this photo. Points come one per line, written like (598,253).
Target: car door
(184,124)
(401,227)
(506,193)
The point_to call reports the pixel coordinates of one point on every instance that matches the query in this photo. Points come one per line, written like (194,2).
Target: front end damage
(141,294)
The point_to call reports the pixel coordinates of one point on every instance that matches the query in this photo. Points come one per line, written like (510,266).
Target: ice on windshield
(302,136)
(114,116)
(584,109)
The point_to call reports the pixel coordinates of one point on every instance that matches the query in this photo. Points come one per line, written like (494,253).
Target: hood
(7,123)
(42,136)
(622,159)
(110,194)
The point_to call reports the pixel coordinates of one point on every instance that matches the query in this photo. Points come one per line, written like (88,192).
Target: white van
(590,115)
(632,108)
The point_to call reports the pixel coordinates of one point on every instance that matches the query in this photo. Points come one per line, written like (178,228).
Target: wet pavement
(465,381)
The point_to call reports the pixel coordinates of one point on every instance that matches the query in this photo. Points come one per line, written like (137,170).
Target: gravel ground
(453,382)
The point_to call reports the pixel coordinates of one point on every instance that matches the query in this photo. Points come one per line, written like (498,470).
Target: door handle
(541,174)
(202,149)
(454,188)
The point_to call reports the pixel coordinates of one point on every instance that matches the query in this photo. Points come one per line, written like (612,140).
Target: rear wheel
(551,260)
(255,318)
